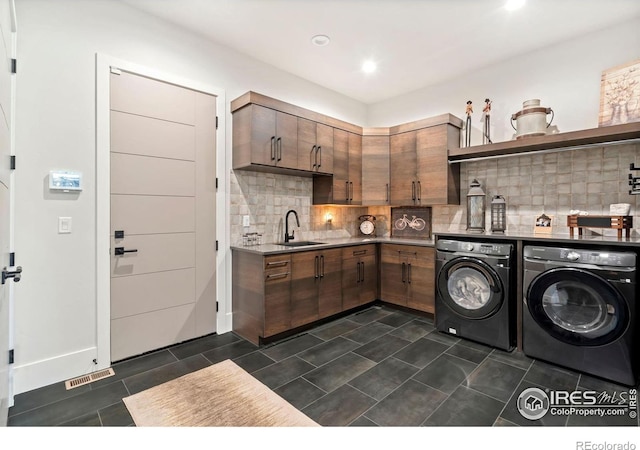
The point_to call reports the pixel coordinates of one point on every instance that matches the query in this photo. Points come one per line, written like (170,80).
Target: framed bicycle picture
(411,222)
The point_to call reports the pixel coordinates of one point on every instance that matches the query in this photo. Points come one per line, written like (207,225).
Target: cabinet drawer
(277,262)
(358,251)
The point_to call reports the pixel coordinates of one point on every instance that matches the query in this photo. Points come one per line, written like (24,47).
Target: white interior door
(6,98)
(163,234)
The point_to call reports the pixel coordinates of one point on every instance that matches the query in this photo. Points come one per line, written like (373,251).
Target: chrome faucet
(288,237)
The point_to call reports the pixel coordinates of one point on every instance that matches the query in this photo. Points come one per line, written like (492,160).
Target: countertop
(274,249)
(611,241)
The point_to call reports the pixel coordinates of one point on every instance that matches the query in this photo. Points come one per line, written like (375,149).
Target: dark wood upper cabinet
(419,170)
(315,146)
(345,186)
(375,168)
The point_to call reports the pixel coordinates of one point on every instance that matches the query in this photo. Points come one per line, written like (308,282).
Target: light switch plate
(246,221)
(64,225)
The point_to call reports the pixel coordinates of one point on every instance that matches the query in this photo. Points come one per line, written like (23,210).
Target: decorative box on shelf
(615,222)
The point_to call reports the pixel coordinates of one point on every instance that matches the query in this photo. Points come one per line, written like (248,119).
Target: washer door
(577,306)
(470,288)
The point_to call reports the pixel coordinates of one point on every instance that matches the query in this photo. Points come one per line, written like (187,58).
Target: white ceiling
(416,43)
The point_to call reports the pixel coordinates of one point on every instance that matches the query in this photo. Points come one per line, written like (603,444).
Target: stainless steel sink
(300,243)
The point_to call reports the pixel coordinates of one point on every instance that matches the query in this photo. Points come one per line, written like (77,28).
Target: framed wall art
(411,222)
(620,95)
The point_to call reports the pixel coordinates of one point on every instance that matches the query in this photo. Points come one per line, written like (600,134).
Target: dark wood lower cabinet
(407,276)
(315,286)
(278,293)
(359,276)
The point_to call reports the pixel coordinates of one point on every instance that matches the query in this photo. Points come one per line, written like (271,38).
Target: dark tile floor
(377,367)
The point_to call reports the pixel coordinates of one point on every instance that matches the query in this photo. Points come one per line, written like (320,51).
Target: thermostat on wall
(62,180)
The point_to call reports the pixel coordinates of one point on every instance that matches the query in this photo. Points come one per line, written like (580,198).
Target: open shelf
(616,134)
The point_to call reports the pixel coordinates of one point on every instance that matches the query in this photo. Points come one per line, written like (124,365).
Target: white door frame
(103,199)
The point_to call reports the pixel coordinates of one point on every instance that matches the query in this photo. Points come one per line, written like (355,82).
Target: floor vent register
(90,378)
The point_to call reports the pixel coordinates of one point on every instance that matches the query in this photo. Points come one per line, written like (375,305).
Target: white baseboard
(42,373)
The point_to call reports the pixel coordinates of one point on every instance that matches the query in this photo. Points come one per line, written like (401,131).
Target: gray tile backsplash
(554,183)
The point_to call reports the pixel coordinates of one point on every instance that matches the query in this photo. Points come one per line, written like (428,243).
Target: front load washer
(580,310)
(474,291)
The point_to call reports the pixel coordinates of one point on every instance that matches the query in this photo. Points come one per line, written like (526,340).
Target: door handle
(121,251)
(313,156)
(15,274)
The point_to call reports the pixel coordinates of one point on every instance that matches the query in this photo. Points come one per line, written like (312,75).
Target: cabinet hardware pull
(351,191)
(321,266)
(347,186)
(279,145)
(311,156)
(362,268)
(359,252)
(277,263)
(273,148)
(409,273)
(319,150)
(413,191)
(357,272)
(317,267)
(403,271)
(387,189)
(404,252)
(277,275)
(419,191)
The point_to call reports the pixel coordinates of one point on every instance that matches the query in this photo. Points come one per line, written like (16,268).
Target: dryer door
(577,306)
(470,287)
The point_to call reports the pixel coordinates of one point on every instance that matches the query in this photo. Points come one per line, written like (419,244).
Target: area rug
(221,395)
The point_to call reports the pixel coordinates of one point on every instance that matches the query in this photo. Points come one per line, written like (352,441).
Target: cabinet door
(340,191)
(368,279)
(350,283)
(375,170)
(393,273)
(305,284)
(421,280)
(355,169)
(286,140)
(438,181)
(402,168)
(306,144)
(324,151)
(330,292)
(254,135)
(277,294)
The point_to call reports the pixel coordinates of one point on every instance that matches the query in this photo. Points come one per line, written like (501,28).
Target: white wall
(564,77)
(55,314)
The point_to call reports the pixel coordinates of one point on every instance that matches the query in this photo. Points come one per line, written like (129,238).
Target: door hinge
(216,306)
(216,122)
(216,245)
(115,71)
(12,163)
(12,259)
(14,65)
(11,357)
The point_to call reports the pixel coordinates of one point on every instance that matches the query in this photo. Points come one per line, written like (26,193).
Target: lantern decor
(498,214)
(476,208)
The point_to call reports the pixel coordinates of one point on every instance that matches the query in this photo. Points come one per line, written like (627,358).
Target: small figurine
(467,136)
(487,121)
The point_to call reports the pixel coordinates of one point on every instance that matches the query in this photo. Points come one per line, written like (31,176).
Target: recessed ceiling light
(512,5)
(320,40)
(369,66)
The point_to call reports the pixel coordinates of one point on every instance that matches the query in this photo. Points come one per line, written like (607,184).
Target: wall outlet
(246,221)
